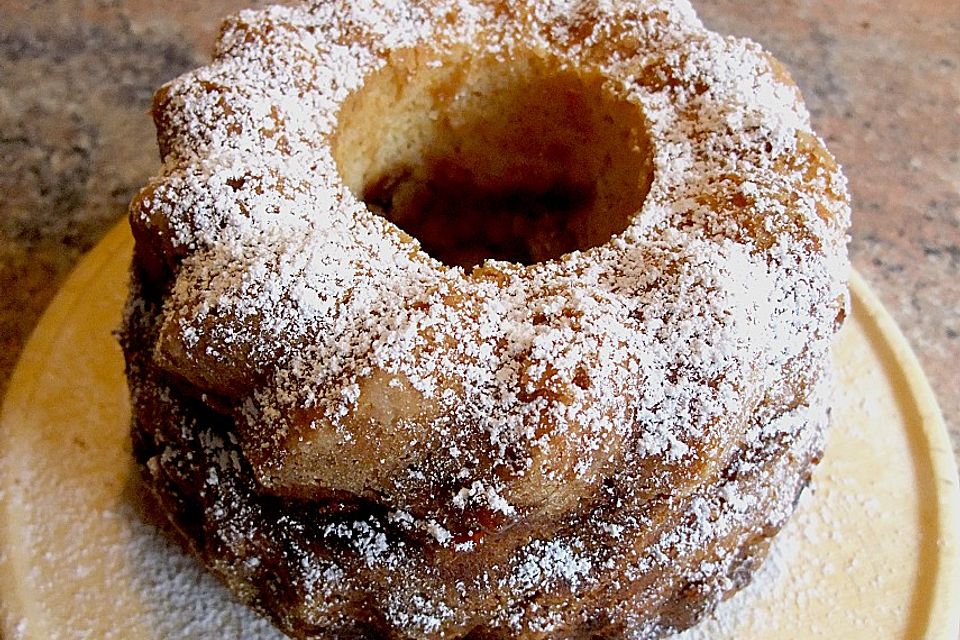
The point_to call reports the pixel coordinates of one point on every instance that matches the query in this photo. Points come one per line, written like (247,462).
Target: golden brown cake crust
(593,434)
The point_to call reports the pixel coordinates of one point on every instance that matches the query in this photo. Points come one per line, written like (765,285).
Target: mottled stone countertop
(881,79)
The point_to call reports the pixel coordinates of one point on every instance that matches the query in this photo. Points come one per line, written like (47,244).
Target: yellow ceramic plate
(872,552)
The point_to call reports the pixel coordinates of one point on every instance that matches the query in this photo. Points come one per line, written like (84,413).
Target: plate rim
(945,596)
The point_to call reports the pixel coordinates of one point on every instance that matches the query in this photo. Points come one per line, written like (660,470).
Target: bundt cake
(483,319)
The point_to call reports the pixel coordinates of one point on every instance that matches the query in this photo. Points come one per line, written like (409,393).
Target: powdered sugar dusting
(641,368)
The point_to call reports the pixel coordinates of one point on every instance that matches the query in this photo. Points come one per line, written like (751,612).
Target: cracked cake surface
(478,319)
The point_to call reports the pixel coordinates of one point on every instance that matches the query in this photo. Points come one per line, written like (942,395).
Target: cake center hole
(481,160)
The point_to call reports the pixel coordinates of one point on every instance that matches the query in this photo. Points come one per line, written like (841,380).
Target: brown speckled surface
(882,81)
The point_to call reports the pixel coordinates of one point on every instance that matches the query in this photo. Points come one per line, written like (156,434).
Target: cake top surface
(297,306)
